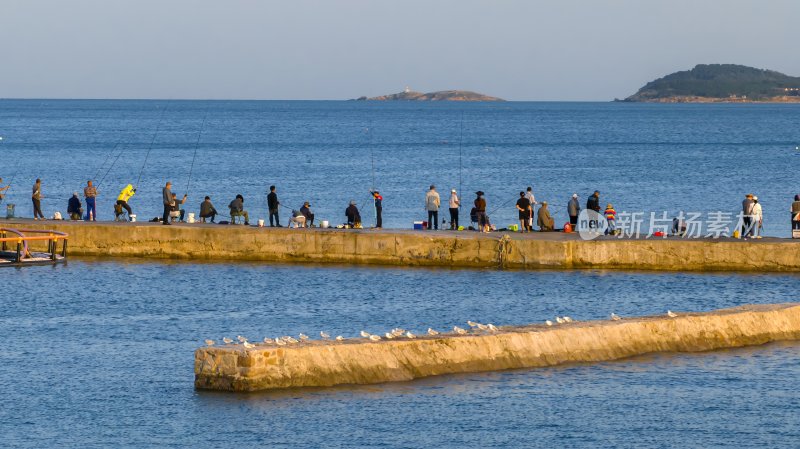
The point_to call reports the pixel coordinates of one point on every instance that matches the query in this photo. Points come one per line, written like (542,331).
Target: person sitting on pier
(122,202)
(207,210)
(237,210)
(353,216)
(74,208)
(545,221)
(306,211)
(177,211)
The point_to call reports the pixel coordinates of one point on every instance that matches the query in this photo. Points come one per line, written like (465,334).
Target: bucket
(190,218)
(10,210)
(133,217)
(261,223)
(323,224)
(567,228)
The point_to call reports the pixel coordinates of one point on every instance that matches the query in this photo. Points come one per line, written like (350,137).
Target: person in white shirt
(455,203)
(757,218)
(532,199)
(432,202)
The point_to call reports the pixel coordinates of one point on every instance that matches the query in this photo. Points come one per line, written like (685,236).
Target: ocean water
(100,354)
(642,157)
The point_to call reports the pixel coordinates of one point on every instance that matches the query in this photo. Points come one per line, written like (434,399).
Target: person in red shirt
(611,217)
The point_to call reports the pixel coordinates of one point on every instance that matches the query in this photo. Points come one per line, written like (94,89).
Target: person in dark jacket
(378,208)
(74,208)
(480,212)
(272,205)
(207,210)
(353,216)
(796,212)
(593,203)
(306,211)
(525,211)
(166,194)
(573,210)
(237,210)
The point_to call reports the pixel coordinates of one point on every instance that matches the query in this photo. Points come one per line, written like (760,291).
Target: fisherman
(90,193)
(454,204)
(525,211)
(545,221)
(237,210)
(593,203)
(207,210)
(432,202)
(532,199)
(36,197)
(122,201)
(3,189)
(74,208)
(177,211)
(306,211)
(378,208)
(166,196)
(747,215)
(480,212)
(758,219)
(297,220)
(611,219)
(353,216)
(795,212)
(272,205)
(573,210)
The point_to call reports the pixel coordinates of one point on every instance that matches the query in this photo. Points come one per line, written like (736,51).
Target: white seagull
(365,334)
(227,340)
(389,335)
(303,337)
(339,338)
(324,336)
(241,339)
(560,320)
(432,332)
(671,314)
(492,327)
(268,340)
(548,322)
(482,327)
(459,330)
(567,319)
(248,345)
(410,335)
(291,340)
(374,337)
(210,342)
(472,323)
(615,317)
(280,342)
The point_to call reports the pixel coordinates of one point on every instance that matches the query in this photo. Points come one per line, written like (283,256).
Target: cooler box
(420,224)
(796,233)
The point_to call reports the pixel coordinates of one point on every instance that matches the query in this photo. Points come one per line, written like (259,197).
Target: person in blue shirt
(378,208)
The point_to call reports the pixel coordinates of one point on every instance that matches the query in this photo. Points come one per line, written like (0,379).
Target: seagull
(227,340)
(339,338)
(280,342)
(482,327)
(472,323)
(671,314)
(398,332)
(210,342)
(365,334)
(388,335)
(560,320)
(459,330)
(548,322)
(291,340)
(492,327)
(303,337)
(615,317)
(324,336)
(567,319)
(374,337)
(410,335)
(241,339)
(432,332)
(268,340)
(248,345)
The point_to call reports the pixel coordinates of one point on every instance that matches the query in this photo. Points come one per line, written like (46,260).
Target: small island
(442,95)
(721,83)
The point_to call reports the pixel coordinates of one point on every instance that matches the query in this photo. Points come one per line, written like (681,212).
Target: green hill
(710,82)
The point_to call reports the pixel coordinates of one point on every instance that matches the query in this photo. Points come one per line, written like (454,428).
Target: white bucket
(190,218)
(133,217)
(260,223)
(323,224)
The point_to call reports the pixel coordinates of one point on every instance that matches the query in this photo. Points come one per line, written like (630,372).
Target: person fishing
(454,204)
(306,211)
(177,211)
(353,216)
(74,208)
(272,205)
(36,197)
(207,210)
(90,193)
(480,212)
(378,208)
(122,202)
(236,208)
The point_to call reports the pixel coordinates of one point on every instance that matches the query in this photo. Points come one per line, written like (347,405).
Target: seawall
(359,361)
(419,248)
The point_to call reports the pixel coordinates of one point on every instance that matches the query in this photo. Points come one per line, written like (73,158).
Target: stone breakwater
(359,361)
(419,248)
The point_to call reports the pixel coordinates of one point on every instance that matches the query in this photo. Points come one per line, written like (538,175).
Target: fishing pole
(460,140)
(112,165)
(108,156)
(147,155)
(197,142)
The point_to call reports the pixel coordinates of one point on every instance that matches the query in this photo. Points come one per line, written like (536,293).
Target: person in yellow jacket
(122,201)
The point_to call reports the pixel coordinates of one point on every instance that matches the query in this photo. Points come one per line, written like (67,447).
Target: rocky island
(442,95)
(721,83)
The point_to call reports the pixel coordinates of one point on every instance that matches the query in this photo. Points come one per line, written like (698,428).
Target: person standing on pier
(272,205)
(36,197)
(573,210)
(525,211)
(432,203)
(378,208)
(454,204)
(480,212)
(593,203)
(166,197)
(747,215)
(90,193)
(758,219)
(532,199)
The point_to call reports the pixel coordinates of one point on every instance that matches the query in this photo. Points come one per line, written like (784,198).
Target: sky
(565,50)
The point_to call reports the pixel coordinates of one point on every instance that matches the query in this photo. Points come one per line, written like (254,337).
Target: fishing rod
(147,155)
(108,156)
(197,142)
(112,164)
(460,140)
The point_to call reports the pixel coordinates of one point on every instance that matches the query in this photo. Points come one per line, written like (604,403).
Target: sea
(99,352)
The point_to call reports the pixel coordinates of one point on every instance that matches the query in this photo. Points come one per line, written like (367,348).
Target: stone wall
(359,361)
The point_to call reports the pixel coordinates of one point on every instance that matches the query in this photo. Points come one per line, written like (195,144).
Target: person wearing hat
(432,203)
(353,216)
(454,204)
(795,210)
(757,220)
(306,211)
(747,215)
(74,208)
(525,210)
(480,212)
(573,210)
(611,219)
(376,196)
(545,221)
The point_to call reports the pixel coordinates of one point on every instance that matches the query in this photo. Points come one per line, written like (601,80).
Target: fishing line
(147,155)
(108,156)
(111,166)
(199,134)
(460,166)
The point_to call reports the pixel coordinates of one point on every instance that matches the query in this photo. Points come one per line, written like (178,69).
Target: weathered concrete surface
(419,248)
(322,364)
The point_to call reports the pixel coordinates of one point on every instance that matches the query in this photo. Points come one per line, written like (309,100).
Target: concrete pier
(420,248)
(359,361)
